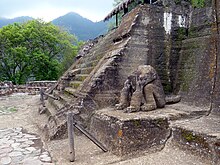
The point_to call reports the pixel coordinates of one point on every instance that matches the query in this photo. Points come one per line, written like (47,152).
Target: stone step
(95,56)
(75,84)
(51,111)
(81,77)
(64,98)
(70,91)
(56,104)
(74,72)
(86,70)
(199,136)
(74,92)
(87,64)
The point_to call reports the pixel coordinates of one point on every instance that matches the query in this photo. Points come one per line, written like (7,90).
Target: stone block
(125,134)
(201,137)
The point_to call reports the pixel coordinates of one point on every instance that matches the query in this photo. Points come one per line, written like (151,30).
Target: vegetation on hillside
(34,50)
(83,28)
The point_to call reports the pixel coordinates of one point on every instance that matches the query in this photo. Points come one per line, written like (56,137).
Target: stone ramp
(168,156)
(200,136)
(87,153)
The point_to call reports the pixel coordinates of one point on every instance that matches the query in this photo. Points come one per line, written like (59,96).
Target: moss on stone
(191,137)
(160,122)
(137,123)
(198,3)
(188,136)
(181,33)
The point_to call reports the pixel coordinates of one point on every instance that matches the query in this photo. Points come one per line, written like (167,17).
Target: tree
(32,51)
(69,57)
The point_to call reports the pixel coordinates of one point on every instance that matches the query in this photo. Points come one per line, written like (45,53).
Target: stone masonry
(179,40)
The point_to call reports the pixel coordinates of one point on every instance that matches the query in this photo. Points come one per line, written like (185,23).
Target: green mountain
(5,21)
(83,28)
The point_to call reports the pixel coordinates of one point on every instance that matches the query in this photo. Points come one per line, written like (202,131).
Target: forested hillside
(82,28)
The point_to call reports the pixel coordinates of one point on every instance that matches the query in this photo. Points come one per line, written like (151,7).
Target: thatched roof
(118,8)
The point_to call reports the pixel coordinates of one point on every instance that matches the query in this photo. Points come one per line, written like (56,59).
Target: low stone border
(31,87)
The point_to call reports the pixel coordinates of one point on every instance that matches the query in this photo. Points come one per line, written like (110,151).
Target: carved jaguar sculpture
(142,91)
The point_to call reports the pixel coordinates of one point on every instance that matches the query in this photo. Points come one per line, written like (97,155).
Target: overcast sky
(47,10)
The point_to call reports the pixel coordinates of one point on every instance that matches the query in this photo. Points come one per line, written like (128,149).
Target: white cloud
(94,10)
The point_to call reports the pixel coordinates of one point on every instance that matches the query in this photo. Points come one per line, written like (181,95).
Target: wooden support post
(71,136)
(116,19)
(125,9)
(42,97)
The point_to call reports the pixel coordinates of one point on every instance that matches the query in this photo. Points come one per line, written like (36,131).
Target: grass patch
(7,110)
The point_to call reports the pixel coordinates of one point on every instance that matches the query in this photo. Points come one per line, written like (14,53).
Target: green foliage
(69,57)
(198,3)
(32,51)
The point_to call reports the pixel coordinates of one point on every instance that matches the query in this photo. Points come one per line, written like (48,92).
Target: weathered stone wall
(32,87)
(6,88)
(196,60)
(196,76)
(156,39)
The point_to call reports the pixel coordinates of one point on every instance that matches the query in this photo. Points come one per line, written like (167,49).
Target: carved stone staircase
(92,78)
(67,90)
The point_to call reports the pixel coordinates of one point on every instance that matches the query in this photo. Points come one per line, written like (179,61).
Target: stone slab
(200,136)
(129,133)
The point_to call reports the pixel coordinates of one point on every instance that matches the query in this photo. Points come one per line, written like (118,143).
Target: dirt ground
(21,110)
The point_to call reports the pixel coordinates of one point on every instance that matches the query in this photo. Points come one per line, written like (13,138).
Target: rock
(4,146)
(30,161)
(10,142)
(14,145)
(24,145)
(5,160)
(26,152)
(15,153)
(37,152)
(29,136)
(6,150)
(19,129)
(28,142)
(3,155)
(31,149)
(46,159)
(13,134)
(21,140)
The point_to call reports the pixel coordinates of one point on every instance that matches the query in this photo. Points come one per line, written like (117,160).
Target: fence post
(71,136)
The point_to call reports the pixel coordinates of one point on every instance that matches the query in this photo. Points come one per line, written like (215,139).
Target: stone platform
(200,136)
(129,133)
